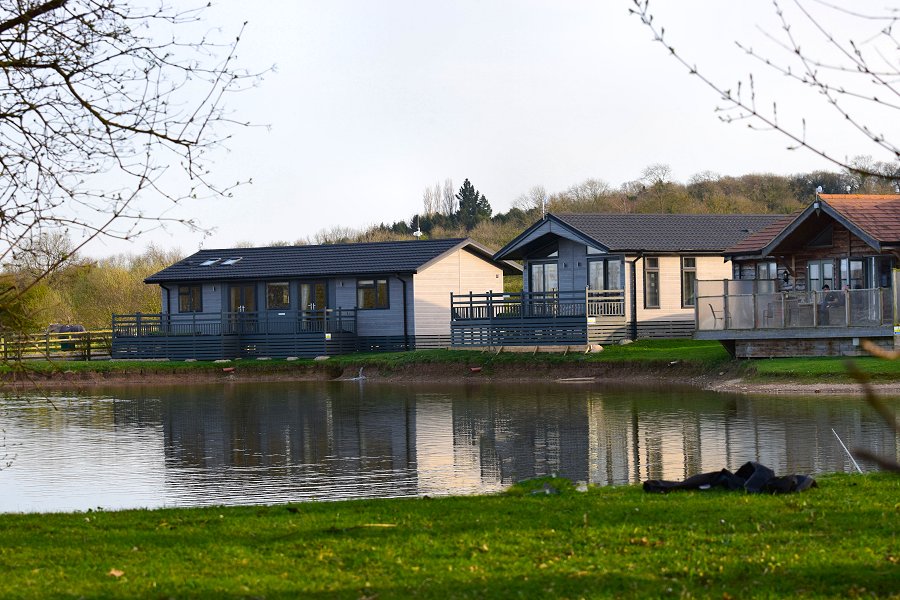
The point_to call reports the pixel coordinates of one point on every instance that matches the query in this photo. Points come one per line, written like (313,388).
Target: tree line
(467,213)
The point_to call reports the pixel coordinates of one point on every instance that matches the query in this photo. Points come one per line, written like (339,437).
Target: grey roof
(317,261)
(638,233)
(667,233)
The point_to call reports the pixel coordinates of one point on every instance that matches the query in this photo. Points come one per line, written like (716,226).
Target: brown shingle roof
(757,240)
(877,215)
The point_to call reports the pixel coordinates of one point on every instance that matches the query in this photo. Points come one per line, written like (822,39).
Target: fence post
(89,342)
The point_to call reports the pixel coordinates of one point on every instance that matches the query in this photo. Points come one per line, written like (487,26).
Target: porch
(537,318)
(752,318)
(210,336)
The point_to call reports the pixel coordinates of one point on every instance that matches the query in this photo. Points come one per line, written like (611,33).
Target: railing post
(783,311)
(490,306)
(755,311)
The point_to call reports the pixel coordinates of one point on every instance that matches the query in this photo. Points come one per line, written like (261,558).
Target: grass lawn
(840,540)
(678,357)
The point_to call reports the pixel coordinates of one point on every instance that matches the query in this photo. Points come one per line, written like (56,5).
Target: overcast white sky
(372,101)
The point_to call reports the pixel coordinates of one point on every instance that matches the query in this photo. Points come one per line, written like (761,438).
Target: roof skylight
(231,261)
(210,262)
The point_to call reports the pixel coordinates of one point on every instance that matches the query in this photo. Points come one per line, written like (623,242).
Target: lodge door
(242,306)
(313,304)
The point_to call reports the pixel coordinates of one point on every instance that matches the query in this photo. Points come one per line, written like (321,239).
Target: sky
(372,101)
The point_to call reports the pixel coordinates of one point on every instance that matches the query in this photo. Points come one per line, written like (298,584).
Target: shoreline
(446,373)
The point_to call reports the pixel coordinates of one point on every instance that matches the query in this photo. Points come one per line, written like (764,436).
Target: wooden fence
(78,345)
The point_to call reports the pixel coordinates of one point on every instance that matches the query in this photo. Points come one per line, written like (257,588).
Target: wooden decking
(537,318)
(234,335)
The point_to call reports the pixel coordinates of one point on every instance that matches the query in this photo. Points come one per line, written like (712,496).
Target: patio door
(313,304)
(242,306)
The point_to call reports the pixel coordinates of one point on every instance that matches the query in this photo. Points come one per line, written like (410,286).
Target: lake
(261,443)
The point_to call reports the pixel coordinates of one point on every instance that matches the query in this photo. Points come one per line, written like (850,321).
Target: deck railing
(235,323)
(538,305)
(791,309)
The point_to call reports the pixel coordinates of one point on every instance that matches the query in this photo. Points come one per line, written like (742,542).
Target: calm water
(286,442)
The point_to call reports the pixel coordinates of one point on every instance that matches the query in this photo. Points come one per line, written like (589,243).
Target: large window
(651,282)
(190,298)
(820,273)
(688,281)
(544,277)
(372,293)
(278,295)
(605,274)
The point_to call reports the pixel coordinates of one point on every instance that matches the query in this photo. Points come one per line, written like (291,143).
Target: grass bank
(685,360)
(840,540)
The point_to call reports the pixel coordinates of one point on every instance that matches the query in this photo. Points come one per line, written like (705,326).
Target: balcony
(756,310)
(234,334)
(536,318)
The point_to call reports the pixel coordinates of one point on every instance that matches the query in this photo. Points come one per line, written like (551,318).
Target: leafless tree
(105,103)
(429,202)
(535,198)
(853,68)
(448,198)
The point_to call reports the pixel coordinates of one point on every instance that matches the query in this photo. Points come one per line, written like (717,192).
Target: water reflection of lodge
(351,440)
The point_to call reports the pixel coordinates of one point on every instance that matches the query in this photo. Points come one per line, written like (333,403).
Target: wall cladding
(807,347)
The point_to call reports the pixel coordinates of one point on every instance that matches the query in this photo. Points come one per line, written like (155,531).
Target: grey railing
(537,305)
(235,323)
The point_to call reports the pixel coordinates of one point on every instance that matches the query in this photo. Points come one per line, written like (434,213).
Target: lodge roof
(667,233)
(875,218)
(630,233)
(327,260)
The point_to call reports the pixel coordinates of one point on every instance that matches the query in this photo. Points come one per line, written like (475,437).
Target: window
(210,262)
(605,274)
(824,239)
(820,273)
(688,281)
(853,273)
(278,295)
(372,293)
(232,260)
(544,277)
(766,270)
(651,282)
(190,298)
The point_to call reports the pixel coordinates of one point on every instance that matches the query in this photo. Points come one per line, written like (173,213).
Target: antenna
(819,190)
(418,231)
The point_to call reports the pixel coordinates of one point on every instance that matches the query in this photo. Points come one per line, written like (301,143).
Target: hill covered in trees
(448,214)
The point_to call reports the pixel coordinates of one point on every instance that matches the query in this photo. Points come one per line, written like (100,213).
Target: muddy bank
(613,373)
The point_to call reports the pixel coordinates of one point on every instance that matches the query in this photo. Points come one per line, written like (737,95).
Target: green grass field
(666,357)
(837,541)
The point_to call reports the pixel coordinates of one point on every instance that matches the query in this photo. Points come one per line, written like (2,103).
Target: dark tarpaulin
(751,477)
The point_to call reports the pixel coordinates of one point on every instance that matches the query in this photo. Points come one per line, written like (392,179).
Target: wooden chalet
(777,302)
(308,300)
(601,278)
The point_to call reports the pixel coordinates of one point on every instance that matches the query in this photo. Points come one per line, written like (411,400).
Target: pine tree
(473,206)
